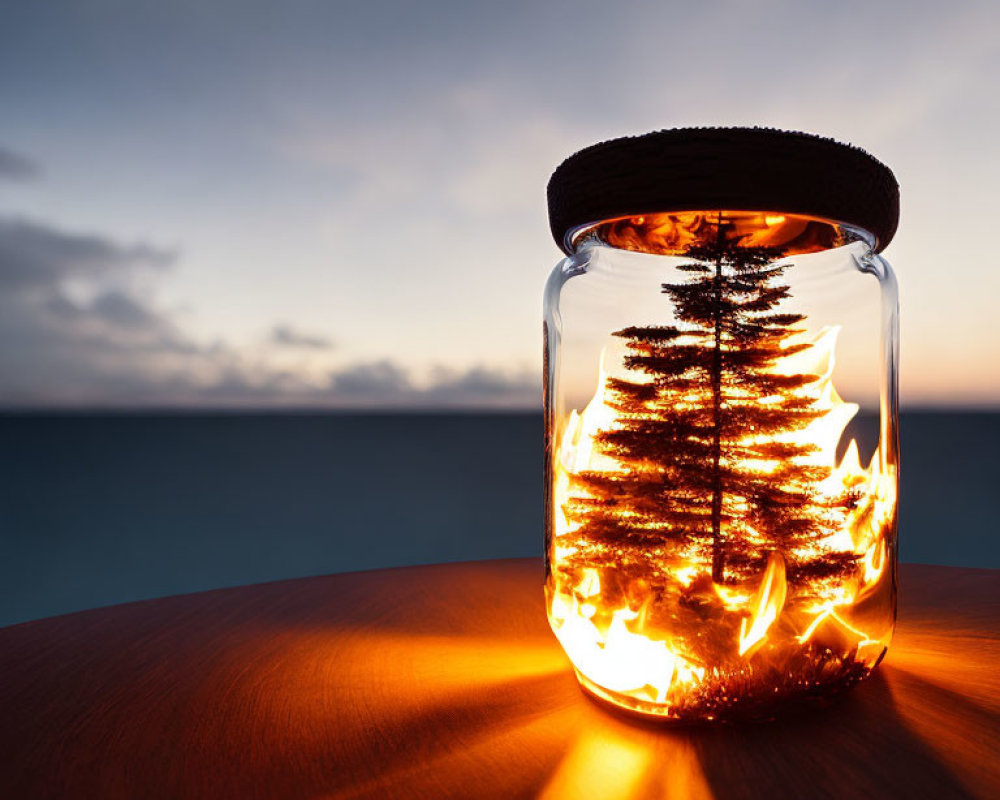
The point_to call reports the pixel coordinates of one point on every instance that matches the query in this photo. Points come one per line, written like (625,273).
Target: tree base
(808,678)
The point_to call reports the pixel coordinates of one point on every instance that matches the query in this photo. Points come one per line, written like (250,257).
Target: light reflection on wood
(445,682)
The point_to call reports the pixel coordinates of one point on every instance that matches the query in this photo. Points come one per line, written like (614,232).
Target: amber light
(653,614)
(672,233)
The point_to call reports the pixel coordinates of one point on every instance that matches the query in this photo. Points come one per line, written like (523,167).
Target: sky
(325,204)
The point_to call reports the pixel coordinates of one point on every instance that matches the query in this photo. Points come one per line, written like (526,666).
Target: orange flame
(671,233)
(766,606)
(636,665)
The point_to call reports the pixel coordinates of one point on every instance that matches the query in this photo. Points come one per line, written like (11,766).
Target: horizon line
(306,410)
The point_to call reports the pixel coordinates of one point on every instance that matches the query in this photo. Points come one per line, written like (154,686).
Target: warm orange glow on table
(445,681)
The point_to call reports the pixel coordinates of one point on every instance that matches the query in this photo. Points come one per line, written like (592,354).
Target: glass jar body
(720,521)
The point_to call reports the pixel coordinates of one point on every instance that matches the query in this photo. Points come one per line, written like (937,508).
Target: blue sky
(342,205)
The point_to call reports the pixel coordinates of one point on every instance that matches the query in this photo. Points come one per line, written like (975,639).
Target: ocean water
(111,508)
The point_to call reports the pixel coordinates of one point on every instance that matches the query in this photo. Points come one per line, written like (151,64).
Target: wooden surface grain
(444,681)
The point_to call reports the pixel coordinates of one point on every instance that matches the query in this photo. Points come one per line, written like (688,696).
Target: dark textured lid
(738,169)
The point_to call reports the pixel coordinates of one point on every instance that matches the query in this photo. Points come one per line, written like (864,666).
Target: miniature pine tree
(705,476)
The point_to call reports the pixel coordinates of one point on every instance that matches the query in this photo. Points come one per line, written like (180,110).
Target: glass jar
(721,420)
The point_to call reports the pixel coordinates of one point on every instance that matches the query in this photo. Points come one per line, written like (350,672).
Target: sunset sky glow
(244,204)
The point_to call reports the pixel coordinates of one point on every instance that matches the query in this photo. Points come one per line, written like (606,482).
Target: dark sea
(100,509)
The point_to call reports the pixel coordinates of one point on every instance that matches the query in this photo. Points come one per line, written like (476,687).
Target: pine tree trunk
(718,564)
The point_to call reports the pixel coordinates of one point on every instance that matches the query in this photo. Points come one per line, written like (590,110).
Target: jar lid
(737,169)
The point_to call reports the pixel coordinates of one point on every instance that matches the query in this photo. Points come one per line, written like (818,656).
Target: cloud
(119,309)
(377,380)
(80,333)
(385,383)
(17,167)
(34,254)
(485,385)
(286,336)
(75,326)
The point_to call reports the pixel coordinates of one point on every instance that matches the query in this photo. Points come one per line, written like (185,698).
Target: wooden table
(444,681)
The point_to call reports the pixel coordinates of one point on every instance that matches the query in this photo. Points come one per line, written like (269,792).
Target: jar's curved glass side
(570,267)
(888,449)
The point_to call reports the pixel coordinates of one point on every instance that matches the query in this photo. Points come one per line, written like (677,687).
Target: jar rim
(671,232)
